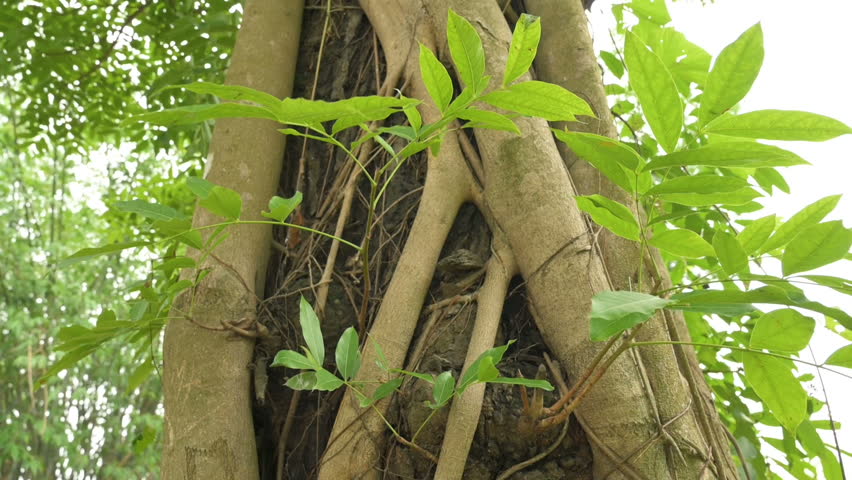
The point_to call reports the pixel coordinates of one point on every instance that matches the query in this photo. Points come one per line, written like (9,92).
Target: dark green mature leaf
(756,233)
(466,50)
(779,125)
(615,312)
(347,354)
(784,330)
(656,90)
(151,210)
(281,208)
(816,246)
(442,390)
(539,99)
(729,154)
(436,78)
(803,219)
(611,215)
(88,253)
(202,113)
(733,74)
(487,119)
(524,45)
(295,360)
(684,243)
(605,154)
(779,389)
(311,330)
(730,253)
(842,357)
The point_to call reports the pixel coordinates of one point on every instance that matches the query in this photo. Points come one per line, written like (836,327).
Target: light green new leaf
(347,354)
(471,374)
(779,389)
(779,125)
(346,113)
(613,63)
(295,360)
(729,252)
(684,243)
(525,40)
(527,382)
(703,190)
(755,234)
(382,391)
(436,78)
(154,211)
(539,99)
(733,74)
(87,253)
(842,357)
(303,381)
(281,208)
(223,202)
(607,155)
(842,285)
(615,312)
(466,50)
(487,119)
(327,381)
(806,217)
(656,90)
(442,390)
(201,113)
(653,10)
(311,330)
(740,196)
(232,92)
(487,371)
(784,330)
(611,215)
(729,154)
(816,246)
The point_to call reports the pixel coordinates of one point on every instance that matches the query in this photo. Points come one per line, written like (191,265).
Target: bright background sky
(806,67)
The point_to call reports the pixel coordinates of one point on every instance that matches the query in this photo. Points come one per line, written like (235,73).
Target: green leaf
(611,215)
(729,252)
(346,113)
(232,92)
(842,285)
(613,63)
(202,113)
(466,50)
(442,391)
(311,330)
(472,373)
(176,264)
(615,312)
(382,391)
(656,90)
(153,211)
(733,74)
(703,190)
(67,361)
(486,119)
(729,154)
(139,375)
(487,371)
(381,360)
(303,381)
(539,99)
(524,45)
(430,379)
(755,234)
(607,155)
(779,125)
(281,208)
(779,389)
(816,246)
(414,119)
(805,218)
(347,355)
(224,202)
(527,382)
(294,360)
(88,253)
(784,330)
(436,78)
(327,381)
(684,243)
(653,10)
(842,357)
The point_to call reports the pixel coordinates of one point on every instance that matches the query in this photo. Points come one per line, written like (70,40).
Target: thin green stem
(420,428)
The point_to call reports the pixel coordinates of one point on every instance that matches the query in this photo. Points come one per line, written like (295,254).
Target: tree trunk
(208,423)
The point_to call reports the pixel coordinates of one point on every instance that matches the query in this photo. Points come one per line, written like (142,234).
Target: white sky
(806,67)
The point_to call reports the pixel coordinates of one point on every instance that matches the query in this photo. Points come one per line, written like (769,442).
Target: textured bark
(208,422)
